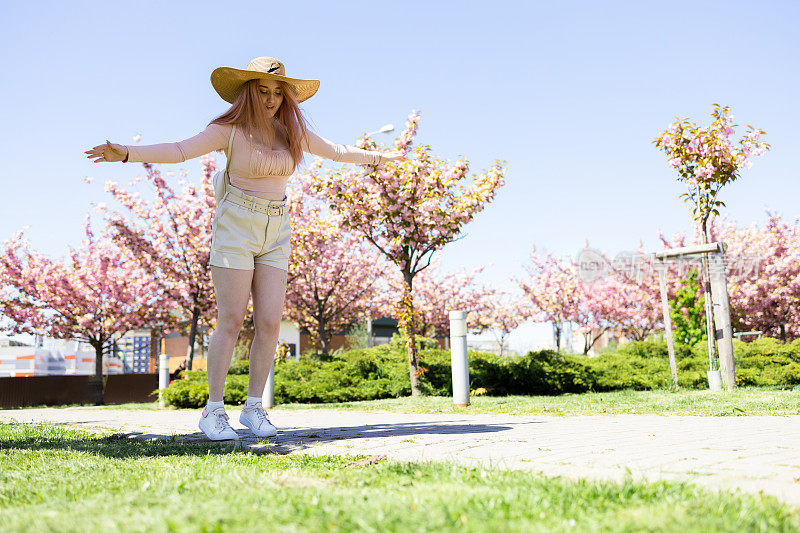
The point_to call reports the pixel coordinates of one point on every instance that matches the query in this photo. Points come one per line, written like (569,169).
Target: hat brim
(228,81)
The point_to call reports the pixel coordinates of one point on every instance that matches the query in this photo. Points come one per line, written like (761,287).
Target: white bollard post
(163,373)
(268,400)
(458,357)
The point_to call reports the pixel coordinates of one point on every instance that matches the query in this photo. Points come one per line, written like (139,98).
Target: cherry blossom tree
(97,293)
(335,278)
(629,299)
(552,291)
(596,310)
(763,268)
(706,159)
(407,210)
(624,299)
(619,303)
(170,238)
(436,293)
(502,313)
(638,309)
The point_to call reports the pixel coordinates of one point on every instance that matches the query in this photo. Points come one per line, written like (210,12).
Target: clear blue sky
(571,94)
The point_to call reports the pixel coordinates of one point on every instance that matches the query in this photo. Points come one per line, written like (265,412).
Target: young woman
(267,134)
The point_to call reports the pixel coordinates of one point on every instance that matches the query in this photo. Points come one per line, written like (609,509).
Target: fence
(60,390)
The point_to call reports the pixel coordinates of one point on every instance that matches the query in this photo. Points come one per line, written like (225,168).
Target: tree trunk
(192,337)
(323,338)
(588,340)
(783,333)
(557,335)
(408,325)
(96,383)
(709,306)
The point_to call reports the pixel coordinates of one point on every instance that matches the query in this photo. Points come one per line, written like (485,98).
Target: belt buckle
(274,210)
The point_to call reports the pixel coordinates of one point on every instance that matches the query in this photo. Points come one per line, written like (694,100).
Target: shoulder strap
(230,149)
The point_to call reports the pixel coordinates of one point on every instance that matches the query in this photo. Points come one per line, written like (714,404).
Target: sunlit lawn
(744,401)
(57,479)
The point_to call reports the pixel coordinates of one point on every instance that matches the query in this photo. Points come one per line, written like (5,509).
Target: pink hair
(248,111)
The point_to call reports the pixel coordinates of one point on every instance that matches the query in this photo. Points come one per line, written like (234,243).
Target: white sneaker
(216,426)
(255,418)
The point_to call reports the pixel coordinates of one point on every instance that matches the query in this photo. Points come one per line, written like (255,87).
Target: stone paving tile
(753,454)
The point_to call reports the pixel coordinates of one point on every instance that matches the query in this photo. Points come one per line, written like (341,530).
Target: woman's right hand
(108,152)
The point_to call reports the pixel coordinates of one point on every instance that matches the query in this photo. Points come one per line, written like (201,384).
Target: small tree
(407,210)
(99,292)
(706,160)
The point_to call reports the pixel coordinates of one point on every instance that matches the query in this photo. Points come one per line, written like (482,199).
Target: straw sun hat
(228,81)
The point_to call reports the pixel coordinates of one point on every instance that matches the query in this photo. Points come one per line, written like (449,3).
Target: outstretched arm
(347,154)
(214,137)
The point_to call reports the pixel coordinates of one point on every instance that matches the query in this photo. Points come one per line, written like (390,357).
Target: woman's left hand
(395,155)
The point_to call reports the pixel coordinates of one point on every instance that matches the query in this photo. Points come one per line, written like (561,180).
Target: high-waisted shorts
(248,230)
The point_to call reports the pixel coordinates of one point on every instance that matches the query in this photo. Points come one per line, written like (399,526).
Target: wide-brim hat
(228,81)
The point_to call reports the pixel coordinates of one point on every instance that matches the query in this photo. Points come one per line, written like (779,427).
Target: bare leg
(232,290)
(269,290)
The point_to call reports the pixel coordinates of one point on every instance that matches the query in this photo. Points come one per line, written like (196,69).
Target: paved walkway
(749,453)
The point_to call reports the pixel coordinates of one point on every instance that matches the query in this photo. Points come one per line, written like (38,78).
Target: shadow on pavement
(291,440)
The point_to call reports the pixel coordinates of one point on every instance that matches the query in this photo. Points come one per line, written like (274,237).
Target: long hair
(288,122)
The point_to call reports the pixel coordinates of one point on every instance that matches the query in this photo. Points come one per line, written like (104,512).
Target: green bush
(645,365)
(382,372)
(186,393)
(791,374)
(193,391)
(239,368)
(543,373)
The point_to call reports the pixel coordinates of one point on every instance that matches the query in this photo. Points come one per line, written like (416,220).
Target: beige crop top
(255,169)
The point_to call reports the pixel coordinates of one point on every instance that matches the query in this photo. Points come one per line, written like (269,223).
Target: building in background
(133,349)
(53,357)
(491,346)
(135,352)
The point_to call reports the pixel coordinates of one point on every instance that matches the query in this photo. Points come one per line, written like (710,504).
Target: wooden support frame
(723,333)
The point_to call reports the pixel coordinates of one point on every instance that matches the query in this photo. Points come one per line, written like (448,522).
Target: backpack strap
(229,154)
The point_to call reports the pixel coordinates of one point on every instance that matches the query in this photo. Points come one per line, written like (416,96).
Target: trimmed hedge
(645,365)
(382,372)
(192,390)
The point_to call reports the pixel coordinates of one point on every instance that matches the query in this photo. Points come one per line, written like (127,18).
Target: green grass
(743,401)
(52,478)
